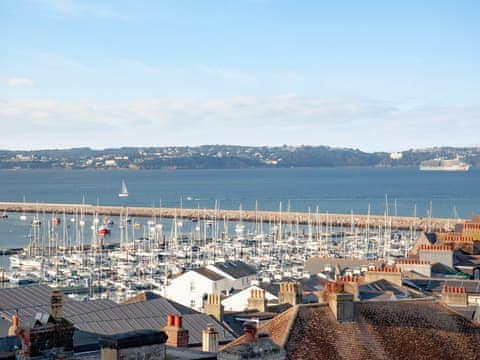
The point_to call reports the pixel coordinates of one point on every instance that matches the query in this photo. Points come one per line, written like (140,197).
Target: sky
(374,75)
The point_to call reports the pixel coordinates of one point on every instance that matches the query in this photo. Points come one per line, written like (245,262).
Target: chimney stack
(289,293)
(56,301)
(213,306)
(257,300)
(210,340)
(436,253)
(456,296)
(340,302)
(351,285)
(392,274)
(177,335)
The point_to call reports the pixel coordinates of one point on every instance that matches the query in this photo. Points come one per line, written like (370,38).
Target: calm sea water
(328,189)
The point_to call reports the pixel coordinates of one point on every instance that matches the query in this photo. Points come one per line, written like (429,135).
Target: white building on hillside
(191,288)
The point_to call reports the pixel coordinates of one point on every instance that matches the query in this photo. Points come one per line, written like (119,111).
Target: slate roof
(384,290)
(313,283)
(107,317)
(151,314)
(272,288)
(431,237)
(409,329)
(29,300)
(209,274)
(143,296)
(236,269)
(194,323)
(440,269)
(461,258)
(435,285)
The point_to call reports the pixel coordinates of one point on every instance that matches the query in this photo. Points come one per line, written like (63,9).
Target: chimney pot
(170,320)
(178,321)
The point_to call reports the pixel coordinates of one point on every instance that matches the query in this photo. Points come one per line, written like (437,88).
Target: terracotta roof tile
(410,329)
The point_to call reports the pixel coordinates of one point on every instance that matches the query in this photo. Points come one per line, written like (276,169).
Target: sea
(400,191)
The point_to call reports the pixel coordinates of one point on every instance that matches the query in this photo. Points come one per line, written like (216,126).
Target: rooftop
(209,274)
(236,269)
(435,285)
(385,290)
(408,329)
(105,317)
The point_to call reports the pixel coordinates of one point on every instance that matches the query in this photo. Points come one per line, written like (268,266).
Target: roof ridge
(264,328)
(295,309)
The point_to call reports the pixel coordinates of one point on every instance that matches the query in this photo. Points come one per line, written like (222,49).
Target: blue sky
(374,75)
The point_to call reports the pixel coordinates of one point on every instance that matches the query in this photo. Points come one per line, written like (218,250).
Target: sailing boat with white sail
(124,192)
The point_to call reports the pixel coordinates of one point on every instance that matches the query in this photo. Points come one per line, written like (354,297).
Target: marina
(114,252)
(124,244)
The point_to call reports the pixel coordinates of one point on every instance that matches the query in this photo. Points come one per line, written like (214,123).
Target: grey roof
(272,288)
(30,300)
(236,269)
(384,290)
(461,258)
(209,274)
(431,237)
(105,316)
(442,269)
(194,323)
(188,354)
(150,314)
(156,307)
(435,285)
(313,283)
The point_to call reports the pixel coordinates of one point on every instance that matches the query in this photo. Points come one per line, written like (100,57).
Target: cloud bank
(360,123)
(19,81)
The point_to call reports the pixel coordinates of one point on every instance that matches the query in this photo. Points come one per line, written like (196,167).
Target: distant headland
(225,157)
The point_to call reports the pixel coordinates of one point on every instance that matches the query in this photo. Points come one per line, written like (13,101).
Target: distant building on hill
(396,156)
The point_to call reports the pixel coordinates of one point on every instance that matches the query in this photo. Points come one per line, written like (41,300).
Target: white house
(239,300)
(191,288)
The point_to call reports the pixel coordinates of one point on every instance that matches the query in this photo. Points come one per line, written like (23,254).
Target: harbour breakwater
(301,218)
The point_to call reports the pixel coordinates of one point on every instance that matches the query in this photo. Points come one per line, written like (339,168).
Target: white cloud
(19,81)
(289,119)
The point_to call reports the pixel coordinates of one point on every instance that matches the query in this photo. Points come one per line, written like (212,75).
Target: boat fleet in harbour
(115,257)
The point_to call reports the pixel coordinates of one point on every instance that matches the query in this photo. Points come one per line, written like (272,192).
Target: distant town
(225,157)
